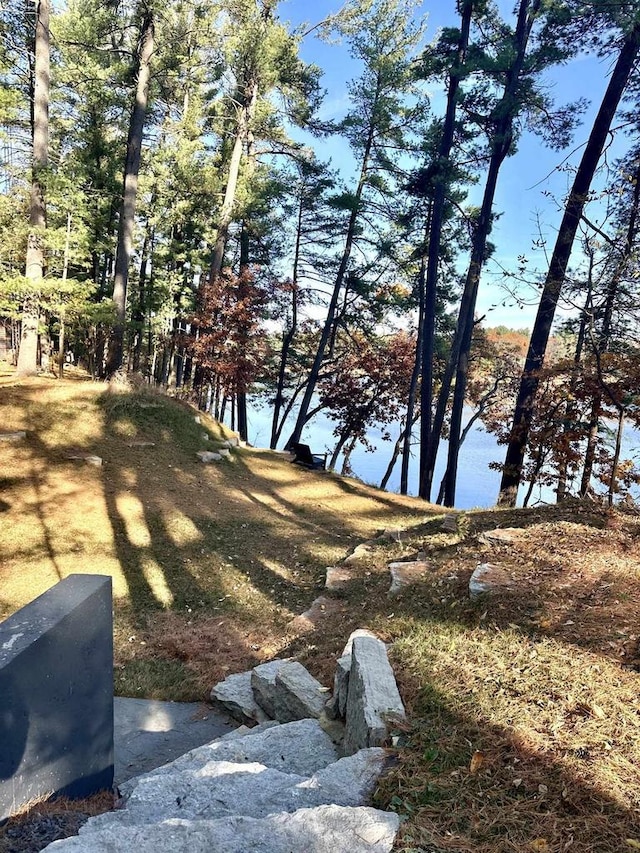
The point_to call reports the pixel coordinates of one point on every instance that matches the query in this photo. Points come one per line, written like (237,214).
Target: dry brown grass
(46,819)
(209,563)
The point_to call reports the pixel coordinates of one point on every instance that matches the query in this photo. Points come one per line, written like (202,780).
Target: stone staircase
(287,785)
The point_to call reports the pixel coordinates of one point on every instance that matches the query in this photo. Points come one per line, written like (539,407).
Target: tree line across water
(159,214)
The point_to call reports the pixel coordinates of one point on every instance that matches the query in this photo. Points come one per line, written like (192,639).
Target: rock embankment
(300,781)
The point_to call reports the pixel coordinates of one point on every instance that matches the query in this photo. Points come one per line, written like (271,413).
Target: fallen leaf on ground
(540,845)
(477,760)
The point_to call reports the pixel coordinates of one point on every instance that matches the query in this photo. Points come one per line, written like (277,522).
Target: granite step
(325,829)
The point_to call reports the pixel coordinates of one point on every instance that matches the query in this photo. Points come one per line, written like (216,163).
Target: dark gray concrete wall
(56,694)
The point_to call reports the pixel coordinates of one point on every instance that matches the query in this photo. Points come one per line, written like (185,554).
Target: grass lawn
(524,708)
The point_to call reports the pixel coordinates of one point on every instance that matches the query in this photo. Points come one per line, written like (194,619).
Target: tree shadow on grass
(465,783)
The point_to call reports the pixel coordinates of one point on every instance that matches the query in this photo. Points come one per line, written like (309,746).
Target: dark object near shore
(304,456)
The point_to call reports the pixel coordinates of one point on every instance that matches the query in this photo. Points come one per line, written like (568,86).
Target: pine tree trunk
(35,261)
(427,438)
(287,338)
(328,327)
(126,224)
(140,312)
(502,137)
(605,332)
(65,273)
(415,376)
(525,402)
(225,218)
(613,480)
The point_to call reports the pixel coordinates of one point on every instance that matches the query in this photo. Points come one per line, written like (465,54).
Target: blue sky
(526,179)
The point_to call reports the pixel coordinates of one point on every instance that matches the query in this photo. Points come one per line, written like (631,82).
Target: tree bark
(429,441)
(126,224)
(35,260)
(415,376)
(327,329)
(65,272)
(287,338)
(524,408)
(140,313)
(602,343)
(502,137)
(245,116)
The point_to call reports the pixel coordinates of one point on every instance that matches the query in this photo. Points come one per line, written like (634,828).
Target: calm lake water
(477,484)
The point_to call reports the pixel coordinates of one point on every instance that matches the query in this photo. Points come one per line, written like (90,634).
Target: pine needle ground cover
(524,727)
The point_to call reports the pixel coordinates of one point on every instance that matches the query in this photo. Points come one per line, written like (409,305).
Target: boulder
(235,697)
(207,456)
(488,578)
(373,695)
(449,524)
(337,578)
(405,574)
(501,536)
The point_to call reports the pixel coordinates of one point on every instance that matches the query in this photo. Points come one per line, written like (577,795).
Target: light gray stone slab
(207,456)
(87,458)
(217,789)
(298,694)
(327,829)
(338,578)
(487,578)
(360,552)
(406,574)
(220,788)
(373,695)
(301,748)
(395,534)
(263,684)
(359,632)
(13,436)
(312,618)
(501,536)
(235,696)
(243,731)
(336,707)
(350,781)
